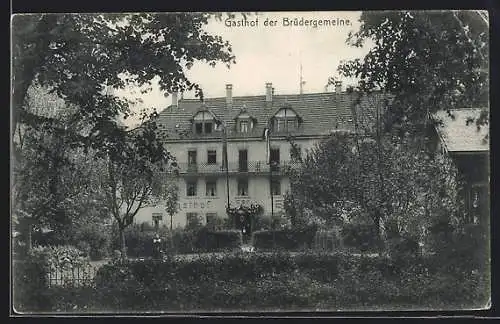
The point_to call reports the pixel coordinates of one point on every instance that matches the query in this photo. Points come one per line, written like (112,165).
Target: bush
(184,240)
(94,240)
(139,244)
(327,240)
(440,236)
(58,257)
(288,239)
(207,240)
(403,247)
(31,276)
(273,281)
(361,237)
(29,281)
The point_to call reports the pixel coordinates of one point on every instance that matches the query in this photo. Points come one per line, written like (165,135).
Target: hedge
(140,243)
(270,281)
(207,240)
(363,237)
(288,239)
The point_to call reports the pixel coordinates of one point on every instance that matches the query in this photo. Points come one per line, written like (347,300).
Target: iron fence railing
(74,277)
(237,167)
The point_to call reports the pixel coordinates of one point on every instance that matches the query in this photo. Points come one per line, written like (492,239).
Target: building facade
(195,133)
(469,147)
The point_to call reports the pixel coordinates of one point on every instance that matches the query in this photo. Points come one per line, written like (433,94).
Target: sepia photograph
(249,162)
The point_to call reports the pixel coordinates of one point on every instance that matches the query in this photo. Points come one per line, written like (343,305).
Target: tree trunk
(123,246)
(24,67)
(382,237)
(29,240)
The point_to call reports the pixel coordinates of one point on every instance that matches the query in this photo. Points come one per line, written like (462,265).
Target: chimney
(229,94)
(338,86)
(174,99)
(269,92)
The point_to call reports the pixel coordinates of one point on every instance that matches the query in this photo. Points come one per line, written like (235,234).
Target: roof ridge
(468,109)
(312,94)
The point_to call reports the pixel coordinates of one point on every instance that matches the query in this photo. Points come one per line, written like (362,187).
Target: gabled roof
(321,113)
(458,135)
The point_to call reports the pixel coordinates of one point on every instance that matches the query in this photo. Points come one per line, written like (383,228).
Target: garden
(280,279)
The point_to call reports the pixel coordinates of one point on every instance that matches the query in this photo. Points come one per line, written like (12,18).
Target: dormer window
(243,126)
(208,127)
(198,128)
(285,120)
(203,122)
(244,122)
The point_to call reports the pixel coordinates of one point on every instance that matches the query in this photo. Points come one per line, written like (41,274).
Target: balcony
(251,167)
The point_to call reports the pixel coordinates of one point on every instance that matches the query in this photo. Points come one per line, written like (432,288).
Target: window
(242,187)
(198,127)
(212,157)
(244,126)
(157,217)
(211,219)
(208,128)
(191,157)
(276,187)
(296,153)
(191,188)
(192,220)
(291,124)
(211,187)
(243,160)
(278,125)
(274,157)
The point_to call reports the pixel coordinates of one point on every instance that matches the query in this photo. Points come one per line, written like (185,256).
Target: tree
(50,183)
(78,58)
(115,51)
(428,61)
(134,173)
(403,185)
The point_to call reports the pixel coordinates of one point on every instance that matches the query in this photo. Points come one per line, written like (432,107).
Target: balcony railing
(251,167)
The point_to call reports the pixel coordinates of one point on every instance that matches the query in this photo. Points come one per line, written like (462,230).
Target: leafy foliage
(391,182)
(58,257)
(428,60)
(115,51)
(54,183)
(292,239)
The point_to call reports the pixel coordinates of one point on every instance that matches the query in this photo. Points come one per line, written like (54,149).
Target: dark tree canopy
(429,61)
(80,56)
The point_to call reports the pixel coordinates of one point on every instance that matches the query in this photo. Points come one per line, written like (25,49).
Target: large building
(194,134)
(469,147)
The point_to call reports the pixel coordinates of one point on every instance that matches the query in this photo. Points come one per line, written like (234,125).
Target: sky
(272,54)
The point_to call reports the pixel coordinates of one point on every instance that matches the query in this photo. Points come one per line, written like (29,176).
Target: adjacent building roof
(460,132)
(320,113)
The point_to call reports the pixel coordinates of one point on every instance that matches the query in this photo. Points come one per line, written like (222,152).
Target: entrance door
(192,161)
(274,157)
(243,161)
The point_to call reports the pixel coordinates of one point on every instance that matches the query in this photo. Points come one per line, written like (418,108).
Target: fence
(75,277)
(329,241)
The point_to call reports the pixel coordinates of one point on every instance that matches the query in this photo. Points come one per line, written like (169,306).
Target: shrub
(139,244)
(31,276)
(58,257)
(288,239)
(327,240)
(207,240)
(440,236)
(29,281)
(276,280)
(184,240)
(94,240)
(362,237)
(403,247)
